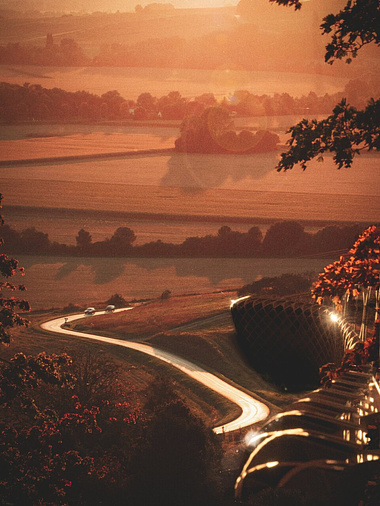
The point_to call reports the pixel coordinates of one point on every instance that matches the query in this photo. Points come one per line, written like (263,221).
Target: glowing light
(249,437)
(334,317)
(272,464)
(234,301)
(253,438)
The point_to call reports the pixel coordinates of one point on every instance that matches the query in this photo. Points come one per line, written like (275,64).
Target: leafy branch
(346,132)
(352,28)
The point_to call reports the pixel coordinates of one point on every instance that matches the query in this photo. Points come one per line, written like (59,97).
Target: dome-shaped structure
(290,341)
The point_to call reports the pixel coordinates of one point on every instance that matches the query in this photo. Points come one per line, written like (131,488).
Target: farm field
(245,186)
(82,143)
(168,197)
(130,82)
(55,282)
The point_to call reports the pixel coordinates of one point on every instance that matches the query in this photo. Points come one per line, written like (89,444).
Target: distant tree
(140,114)
(201,133)
(165,295)
(207,99)
(146,101)
(11,238)
(83,240)
(333,238)
(252,240)
(35,241)
(72,308)
(71,52)
(117,300)
(213,131)
(264,141)
(114,101)
(172,106)
(285,238)
(121,241)
(124,235)
(347,131)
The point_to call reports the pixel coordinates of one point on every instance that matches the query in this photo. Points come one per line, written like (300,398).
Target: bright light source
(233,302)
(252,438)
(334,317)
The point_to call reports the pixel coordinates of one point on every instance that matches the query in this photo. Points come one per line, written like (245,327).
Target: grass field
(198,327)
(56,282)
(77,144)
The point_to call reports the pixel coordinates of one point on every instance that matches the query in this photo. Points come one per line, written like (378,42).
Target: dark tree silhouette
(179,456)
(117,300)
(121,241)
(83,240)
(213,131)
(347,131)
(285,238)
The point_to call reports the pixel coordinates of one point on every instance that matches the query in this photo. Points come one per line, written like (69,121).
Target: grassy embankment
(197,327)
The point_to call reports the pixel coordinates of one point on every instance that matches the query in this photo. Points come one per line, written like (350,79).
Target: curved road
(253,410)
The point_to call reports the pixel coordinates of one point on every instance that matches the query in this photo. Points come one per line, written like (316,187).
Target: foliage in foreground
(9,304)
(357,358)
(85,442)
(347,131)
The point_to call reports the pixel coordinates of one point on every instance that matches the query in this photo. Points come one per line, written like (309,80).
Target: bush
(286,284)
(117,301)
(165,295)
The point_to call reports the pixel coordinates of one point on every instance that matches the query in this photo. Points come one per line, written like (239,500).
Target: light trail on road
(252,410)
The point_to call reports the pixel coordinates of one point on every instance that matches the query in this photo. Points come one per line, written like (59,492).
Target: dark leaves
(346,132)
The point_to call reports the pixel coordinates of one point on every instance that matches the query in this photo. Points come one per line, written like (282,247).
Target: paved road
(252,410)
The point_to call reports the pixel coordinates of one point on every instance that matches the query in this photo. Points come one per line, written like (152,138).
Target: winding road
(252,410)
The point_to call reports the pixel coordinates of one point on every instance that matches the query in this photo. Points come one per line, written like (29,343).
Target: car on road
(89,311)
(110,308)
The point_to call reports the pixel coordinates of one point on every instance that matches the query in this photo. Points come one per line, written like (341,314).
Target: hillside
(227,37)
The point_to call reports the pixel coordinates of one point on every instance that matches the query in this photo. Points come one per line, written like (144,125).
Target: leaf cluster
(288,3)
(354,274)
(22,374)
(9,305)
(66,450)
(346,132)
(352,28)
(356,358)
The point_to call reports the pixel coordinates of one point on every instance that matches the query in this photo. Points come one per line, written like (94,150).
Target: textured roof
(288,340)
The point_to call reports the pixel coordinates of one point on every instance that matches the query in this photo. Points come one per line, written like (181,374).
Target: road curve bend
(252,410)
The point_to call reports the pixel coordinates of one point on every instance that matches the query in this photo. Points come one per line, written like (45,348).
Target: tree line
(33,102)
(282,239)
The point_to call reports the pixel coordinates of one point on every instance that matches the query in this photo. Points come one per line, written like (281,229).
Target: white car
(89,311)
(110,308)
